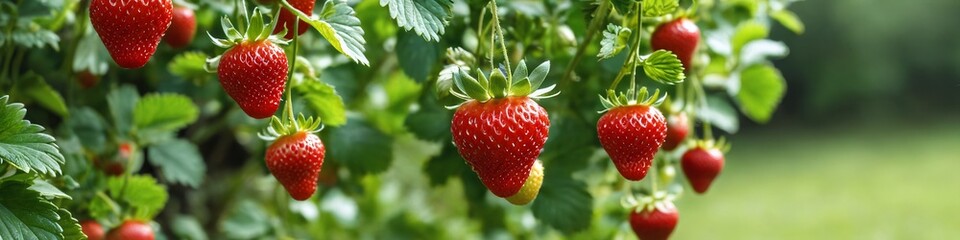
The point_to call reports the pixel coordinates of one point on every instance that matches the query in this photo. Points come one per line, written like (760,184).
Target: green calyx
(721,144)
(631,97)
(278,128)
(257,30)
(498,85)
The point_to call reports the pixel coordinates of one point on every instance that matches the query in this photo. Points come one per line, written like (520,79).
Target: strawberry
(287,18)
(531,188)
(701,165)
(677,129)
(680,36)
(654,223)
(131,230)
(500,130)
(295,160)
(87,79)
(131,29)
(182,28)
(631,133)
(92,229)
(253,70)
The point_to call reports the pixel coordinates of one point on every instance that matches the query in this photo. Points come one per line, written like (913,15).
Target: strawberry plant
(302,119)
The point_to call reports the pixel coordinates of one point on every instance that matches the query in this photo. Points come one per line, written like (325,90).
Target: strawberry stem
(293,65)
(634,53)
(503,45)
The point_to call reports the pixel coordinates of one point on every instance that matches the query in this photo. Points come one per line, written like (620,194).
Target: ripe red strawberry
(131,230)
(655,223)
(500,139)
(131,29)
(287,18)
(295,160)
(253,70)
(182,28)
(677,129)
(87,79)
(631,135)
(680,36)
(701,165)
(92,229)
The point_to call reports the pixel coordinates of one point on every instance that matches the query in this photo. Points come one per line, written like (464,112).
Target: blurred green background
(866,142)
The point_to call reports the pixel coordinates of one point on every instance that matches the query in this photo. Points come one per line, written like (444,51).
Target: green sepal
(520,72)
(539,74)
(499,86)
(521,88)
(632,97)
(256,27)
(232,33)
(469,86)
(482,79)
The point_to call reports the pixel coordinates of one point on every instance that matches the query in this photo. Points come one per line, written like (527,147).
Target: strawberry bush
(196,119)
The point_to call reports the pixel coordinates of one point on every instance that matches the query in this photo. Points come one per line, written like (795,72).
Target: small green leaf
(188,227)
(761,88)
(747,32)
(663,66)
(89,127)
(360,147)
(719,113)
(164,112)
(179,160)
(23,144)
(91,55)
(614,40)
(789,20)
(338,23)
(470,86)
(426,17)
(416,56)
(101,206)
(24,214)
(757,51)
(539,74)
(247,220)
(323,99)
(31,35)
(144,196)
(70,225)
(445,79)
(47,190)
(498,84)
(189,65)
(656,8)
(520,72)
(563,203)
(36,88)
(122,102)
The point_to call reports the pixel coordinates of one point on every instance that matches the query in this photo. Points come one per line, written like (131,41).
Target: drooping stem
(592,30)
(634,53)
(480,30)
(499,34)
(293,66)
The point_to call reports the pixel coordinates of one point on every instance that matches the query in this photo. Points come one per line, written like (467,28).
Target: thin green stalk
(592,30)
(480,30)
(503,45)
(17,63)
(634,52)
(633,73)
(293,65)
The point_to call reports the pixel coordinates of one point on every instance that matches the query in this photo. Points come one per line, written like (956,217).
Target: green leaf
(142,194)
(89,128)
(663,66)
(24,145)
(623,6)
(188,227)
(70,225)
(761,88)
(36,88)
(179,160)
(416,56)
(442,167)
(122,102)
(656,8)
(338,23)
(24,214)
(47,190)
(426,17)
(189,65)
(91,55)
(747,32)
(101,206)
(247,220)
(789,20)
(445,79)
(323,99)
(719,113)
(563,203)
(757,51)
(31,35)
(614,40)
(164,112)
(360,147)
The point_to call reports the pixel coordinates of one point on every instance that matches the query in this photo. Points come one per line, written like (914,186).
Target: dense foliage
(182,143)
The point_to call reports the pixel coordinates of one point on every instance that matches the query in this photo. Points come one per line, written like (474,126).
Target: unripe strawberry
(531,188)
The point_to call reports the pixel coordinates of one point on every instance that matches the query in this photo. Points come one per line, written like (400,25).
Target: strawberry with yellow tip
(531,188)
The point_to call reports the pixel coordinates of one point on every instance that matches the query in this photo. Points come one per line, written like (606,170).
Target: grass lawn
(885,181)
